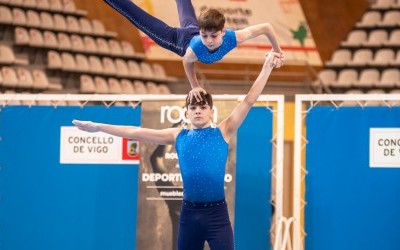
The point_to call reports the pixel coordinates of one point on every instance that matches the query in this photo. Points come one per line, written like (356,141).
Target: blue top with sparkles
(205,56)
(202,157)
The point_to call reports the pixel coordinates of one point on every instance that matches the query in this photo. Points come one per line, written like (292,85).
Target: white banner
(384,147)
(80,147)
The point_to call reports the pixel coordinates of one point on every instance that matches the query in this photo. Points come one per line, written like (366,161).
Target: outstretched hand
(87,126)
(278,60)
(196,93)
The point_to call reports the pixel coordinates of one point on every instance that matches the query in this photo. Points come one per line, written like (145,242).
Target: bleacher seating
(53,44)
(369,57)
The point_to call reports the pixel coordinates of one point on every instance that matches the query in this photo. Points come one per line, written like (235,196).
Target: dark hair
(205,99)
(211,20)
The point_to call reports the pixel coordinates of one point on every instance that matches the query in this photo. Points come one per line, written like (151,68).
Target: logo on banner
(175,114)
(80,147)
(130,149)
(384,147)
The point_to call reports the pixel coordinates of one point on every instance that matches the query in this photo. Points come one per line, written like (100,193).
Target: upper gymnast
(204,39)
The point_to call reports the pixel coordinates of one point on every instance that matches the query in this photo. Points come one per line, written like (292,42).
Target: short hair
(211,20)
(205,99)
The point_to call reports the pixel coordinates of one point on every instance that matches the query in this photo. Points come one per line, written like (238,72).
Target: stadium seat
(158,71)
(50,39)
(86,84)
(77,43)
(326,77)
(102,46)
(389,78)
(68,62)
(86,25)
(114,86)
(18,16)
(6,16)
(152,88)
(82,63)
(115,47)
(361,57)
(346,78)
(10,78)
(46,20)
(73,24)
(164,89)
(90,44)
(355,38)
(134,68)
(25,79)
(370,19)
(54,60)
(146,70)
(33,18)
(390,18)
(109,66)
(56,5)
(21,36)
(64,41)
(95,64)
(101,85)
(127,87)
(43,4)
(140,87)
(40,80)
(377,37)
(68,6)
(36,38)
(59,22)
(122,67)
(127,48)
(368,78)
(340,58)
(394,38)
(98,27)
(7,55)
(383,57)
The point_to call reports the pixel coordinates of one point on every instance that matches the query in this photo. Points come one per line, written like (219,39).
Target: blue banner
(253,181)
(350,205)
(47,205)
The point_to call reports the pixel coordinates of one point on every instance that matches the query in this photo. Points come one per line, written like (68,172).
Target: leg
(219,233)
(157,30)
(191,235)
(187,16)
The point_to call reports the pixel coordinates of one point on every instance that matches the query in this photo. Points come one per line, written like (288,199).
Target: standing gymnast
(202,153)
(205,40)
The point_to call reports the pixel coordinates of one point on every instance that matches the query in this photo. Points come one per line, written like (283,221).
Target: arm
(230,125)
(258,30)
(161,136)
(188,64)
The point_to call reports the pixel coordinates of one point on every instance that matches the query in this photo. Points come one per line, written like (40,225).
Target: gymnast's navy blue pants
(205,221)
(171,38)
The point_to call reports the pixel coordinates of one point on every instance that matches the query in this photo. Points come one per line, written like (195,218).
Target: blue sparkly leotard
(202,157)
(203,55)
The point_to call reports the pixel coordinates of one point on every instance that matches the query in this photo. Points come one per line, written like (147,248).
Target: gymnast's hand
(196,93)
(278,60)
(87,126)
